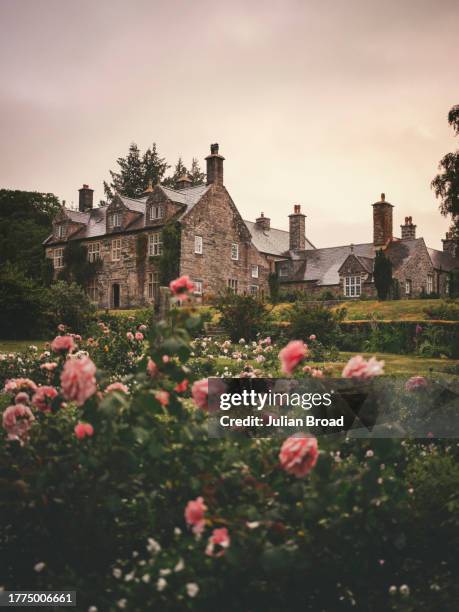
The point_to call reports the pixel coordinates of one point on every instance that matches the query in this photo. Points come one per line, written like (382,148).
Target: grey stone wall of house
(217,221)
(449,244)
(416,269)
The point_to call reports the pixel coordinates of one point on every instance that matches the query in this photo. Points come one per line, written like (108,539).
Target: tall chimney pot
(214,166)
(408,230)
(297,229)
(382,222)
(85,200)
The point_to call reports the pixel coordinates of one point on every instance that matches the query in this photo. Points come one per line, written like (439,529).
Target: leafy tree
(383,275)
(25,222)
(446,183)
(70,305)
(135,171)
(169,260)
(196,175)
(243,316)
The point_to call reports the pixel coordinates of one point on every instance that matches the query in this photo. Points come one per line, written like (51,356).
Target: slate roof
(442,261)
(272,241)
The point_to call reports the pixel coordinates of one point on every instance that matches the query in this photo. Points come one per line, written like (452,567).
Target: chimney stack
(214,166)
(85,198)
(449,244)
(297,229)
(264,223)
(408,230)
(382,222)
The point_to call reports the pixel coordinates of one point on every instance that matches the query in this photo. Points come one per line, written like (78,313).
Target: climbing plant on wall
(169,261)
(141,255)
(77,268)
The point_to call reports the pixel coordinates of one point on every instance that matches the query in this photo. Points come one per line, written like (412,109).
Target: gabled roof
(322,265)
(272,241)
(442,260)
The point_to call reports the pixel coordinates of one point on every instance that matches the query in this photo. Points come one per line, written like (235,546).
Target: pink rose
(83,429)
(181,285)
(61,327)
(130,336)
(166,358)
(78,380)
(138,336)
(357,367)
(43,398)
(200,393)
(315,373)
(117,386)
(220,538)
(299,454)
(291,355)
(49,366)
(181,387)
(17,421)
(194,514)
(415,383)
(19,384)
(142,328)
(162,397)
(312,337)
(152,368)
(22,398)
(61,344)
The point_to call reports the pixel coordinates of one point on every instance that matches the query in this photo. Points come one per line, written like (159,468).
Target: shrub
(22,305)
(69,304)
(446,311)
(243,316)
(306,319)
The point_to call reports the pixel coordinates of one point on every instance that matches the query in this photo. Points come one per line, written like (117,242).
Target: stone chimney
(214,166)
(408,230)
(449,244)
(263,223)
(297,229)
(382,222)
(85,199)
(184,181)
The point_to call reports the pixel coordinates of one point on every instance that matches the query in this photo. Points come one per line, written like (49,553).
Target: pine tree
(179,170)
(135,171)
(382,274)
(197,177)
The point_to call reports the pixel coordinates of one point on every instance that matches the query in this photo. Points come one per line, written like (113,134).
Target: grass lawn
(18,346)
(392,310)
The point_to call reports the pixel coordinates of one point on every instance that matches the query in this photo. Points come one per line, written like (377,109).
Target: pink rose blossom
(49,366)
(130,336)
(312,337)
(43,398)
(166,358)
(83,429)
(117,386)
(182,386)
(138,336)
(78,380)
(22,398)
(291,355)
(415,383)
(61,327)
(152,368)
(19,384)
(200,393)
(142,328)
(315,373)
(181,285)
(299,454)
(162,397)
(61,344)
(17,421)
(220,537)
(357,367)
(194,514)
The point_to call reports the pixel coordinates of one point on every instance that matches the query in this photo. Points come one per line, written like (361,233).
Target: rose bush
(123,496)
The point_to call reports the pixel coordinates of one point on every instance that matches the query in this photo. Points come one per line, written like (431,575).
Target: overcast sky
(325,104)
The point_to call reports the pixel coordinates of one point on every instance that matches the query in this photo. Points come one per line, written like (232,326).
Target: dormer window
(115,219)
(156,212)
(61,231)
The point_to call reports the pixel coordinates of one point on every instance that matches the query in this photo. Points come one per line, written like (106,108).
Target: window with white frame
(254,271)
(153,286)
(352,286)
(198,245)
(61,231)
(58,258)
(116,249)
(430,283)
(232,284)
(253,289)
(155,244)
(198,287)
(156,212)
(408,287)
(93,251)
(235,251)
(115,219)
(93,291)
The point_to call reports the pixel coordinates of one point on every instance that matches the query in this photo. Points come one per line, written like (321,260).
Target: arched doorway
(116,295)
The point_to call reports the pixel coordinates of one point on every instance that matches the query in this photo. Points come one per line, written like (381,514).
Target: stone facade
(382,222)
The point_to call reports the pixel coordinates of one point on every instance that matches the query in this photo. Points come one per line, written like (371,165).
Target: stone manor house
(220,249)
